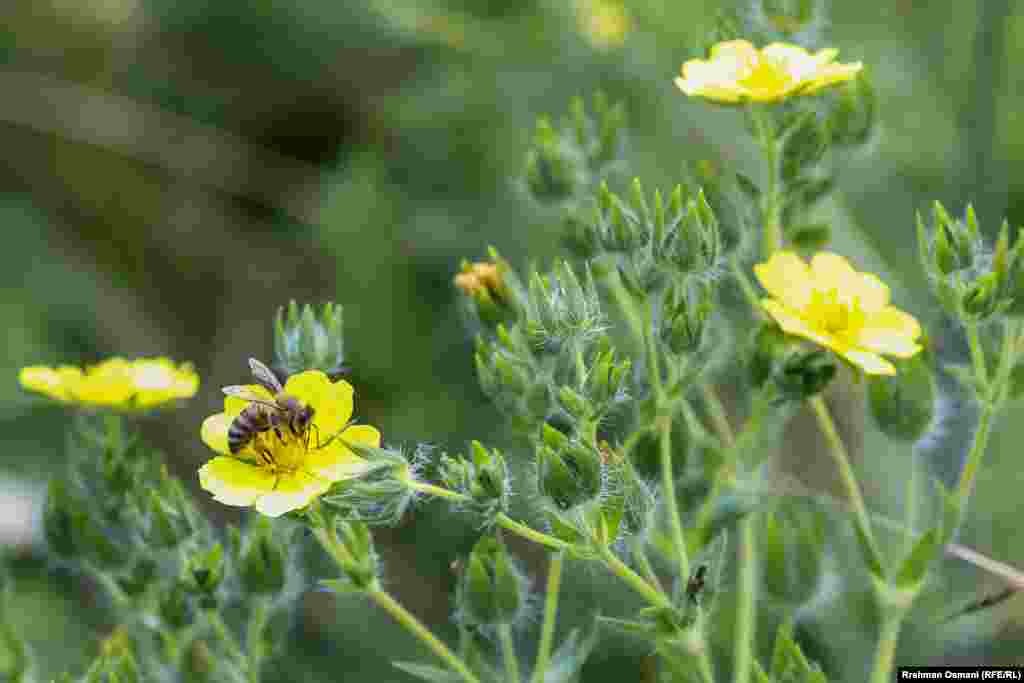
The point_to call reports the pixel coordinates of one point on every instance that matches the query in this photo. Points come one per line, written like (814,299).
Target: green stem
(224,634)
(668,486)
(254,638)
(746,587)
(770,209)
(991,402)
(640,557)
(636,582)
(438,491)
(886,651)
(746,286)
(413,625)
(506,522)
(547,633)
(501,519)
(842,461)
(977,353)
(508,653)
(718,415)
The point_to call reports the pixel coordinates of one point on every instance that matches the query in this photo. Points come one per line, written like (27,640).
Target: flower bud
(684,313)
(175,607)
(569,472)
(796,370)
(362,566)
(204,571)
(63,519)
(304,340)
(555,168)
(167,525)
(693,242)
(904,403)
(970,282)
(263,561)
(492,590)
(492,290)
(139,578)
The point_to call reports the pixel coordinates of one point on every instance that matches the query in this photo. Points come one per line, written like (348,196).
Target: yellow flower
(279,472)
(115,382)
(739,72)
(833,305)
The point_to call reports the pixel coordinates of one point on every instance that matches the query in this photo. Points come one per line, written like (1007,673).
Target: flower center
(836,315)
(280,450)
(765,75)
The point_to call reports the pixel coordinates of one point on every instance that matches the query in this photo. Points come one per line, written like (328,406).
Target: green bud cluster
(686,308)
(203,574)
(262,559)
(794,369)
(564,310)
(564,164)
(569,472)
(649,243)
(483,478)
(305,339)
(380,495)
(492,590)
(971,281)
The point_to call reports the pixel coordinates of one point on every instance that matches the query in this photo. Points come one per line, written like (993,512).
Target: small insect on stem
(695,584)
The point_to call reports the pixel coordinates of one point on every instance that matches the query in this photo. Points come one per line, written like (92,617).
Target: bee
(282,412)
(695,584)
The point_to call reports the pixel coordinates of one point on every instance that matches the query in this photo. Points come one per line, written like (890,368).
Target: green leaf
(428,673)
(916,563)
(950,511)
(626,626)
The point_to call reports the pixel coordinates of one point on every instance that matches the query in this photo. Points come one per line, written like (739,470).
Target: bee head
(304,416)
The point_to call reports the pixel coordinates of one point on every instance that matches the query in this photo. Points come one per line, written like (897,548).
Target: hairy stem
(746,586)
(635,581)
(885,653)
(508,653)
(838,451)
(422,633)
(547,633)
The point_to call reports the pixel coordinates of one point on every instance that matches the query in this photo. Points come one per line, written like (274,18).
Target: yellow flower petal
(158,380)
(336,462)
(293,491)
(890,331)
(831,271)
(792,323)
(234,482)
(56,383)
(332,401)
(214,432)
(869,362)
(787,278)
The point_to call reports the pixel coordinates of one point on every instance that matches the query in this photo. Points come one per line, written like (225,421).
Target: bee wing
(246,394)
(265,376)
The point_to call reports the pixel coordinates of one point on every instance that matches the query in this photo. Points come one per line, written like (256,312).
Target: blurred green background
(174,170)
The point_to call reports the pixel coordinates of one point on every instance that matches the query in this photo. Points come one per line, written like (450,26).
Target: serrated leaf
(915,565)
(427,672)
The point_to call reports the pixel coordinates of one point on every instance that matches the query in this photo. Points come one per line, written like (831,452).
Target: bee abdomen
(248,423)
